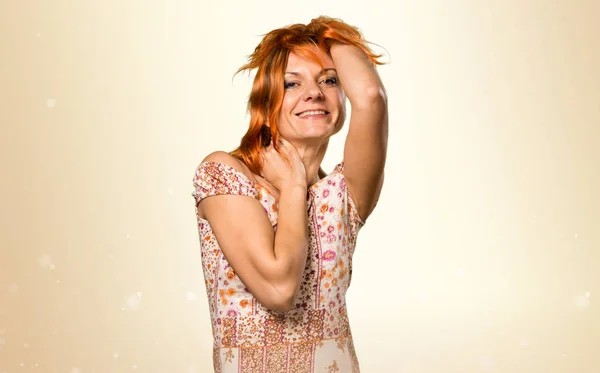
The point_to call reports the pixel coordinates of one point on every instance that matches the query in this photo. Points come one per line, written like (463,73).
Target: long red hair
(270,59)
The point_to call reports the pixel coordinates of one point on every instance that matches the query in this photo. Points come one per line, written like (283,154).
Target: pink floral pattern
(315,335)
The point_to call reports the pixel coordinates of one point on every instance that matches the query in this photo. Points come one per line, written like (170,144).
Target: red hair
(270,59)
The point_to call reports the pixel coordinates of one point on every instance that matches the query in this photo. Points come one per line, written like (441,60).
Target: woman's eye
(289,85)
(331,81)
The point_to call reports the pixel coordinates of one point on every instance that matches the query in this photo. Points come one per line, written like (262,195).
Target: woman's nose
(313,92)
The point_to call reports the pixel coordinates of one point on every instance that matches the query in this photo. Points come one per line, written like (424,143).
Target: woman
(277,234)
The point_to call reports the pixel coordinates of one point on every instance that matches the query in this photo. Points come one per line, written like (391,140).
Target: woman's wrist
(292,186)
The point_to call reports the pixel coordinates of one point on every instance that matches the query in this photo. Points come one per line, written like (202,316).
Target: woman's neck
(312,156)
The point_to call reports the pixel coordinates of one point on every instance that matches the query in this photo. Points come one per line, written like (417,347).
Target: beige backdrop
(482,255)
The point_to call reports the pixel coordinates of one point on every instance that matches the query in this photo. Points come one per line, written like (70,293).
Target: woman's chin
(314,136)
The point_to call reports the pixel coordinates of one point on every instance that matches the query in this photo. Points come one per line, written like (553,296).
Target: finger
(273,152)
(270,154)
(267,154)
(282,141)
(285,145)
(289,148)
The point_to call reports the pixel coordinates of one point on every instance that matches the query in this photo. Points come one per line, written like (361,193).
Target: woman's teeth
(312,112)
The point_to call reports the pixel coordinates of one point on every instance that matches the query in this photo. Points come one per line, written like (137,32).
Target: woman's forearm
(291,240)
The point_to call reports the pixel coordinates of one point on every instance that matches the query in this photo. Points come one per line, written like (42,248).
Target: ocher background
(482,255)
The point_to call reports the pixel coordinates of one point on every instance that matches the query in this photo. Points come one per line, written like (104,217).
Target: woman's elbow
(282,299)
(373,96)
(281,306)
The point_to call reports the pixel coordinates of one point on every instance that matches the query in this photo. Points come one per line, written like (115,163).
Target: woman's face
(313,102)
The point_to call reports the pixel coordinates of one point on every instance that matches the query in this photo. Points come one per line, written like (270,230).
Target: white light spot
(170,191)
(22,364)
(575,235)
(45,261)
(123,309)
(13,289)
(190,295)
(51,103)
(38,35)
(52,267)
(459,272)
(133,301)
(581,302)
(564,355)
(75,370)
(115,355)
(524,342)
(134,366)
(127,235)
(36,365)
(587,294)
(139,294)
(58,281)
(26,345)
(424,297)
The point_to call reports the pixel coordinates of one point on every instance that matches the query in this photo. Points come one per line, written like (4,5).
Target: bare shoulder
(225,158)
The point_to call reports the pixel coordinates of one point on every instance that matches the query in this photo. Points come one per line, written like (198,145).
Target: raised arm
(366,144)
(269,264)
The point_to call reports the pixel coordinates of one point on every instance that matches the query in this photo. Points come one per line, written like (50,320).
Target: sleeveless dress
(313,337)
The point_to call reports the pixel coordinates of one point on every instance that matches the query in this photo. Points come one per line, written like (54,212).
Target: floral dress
(313,337)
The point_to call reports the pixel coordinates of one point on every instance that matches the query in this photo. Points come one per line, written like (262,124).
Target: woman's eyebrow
(320,72)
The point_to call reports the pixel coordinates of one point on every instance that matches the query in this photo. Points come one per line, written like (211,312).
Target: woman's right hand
(278,171)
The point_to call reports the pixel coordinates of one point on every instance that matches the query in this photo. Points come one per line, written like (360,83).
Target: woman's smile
(313,114)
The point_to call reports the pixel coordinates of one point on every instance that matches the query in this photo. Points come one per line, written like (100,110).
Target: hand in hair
(331,31)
